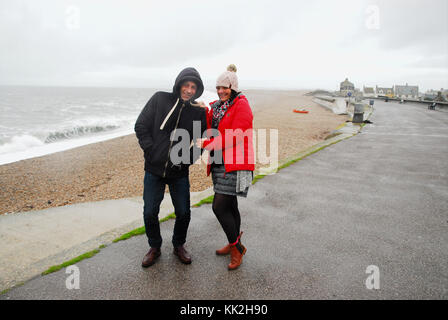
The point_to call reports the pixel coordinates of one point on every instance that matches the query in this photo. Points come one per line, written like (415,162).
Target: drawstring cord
(168,115)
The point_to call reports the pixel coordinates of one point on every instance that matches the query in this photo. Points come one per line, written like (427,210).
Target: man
(164,115)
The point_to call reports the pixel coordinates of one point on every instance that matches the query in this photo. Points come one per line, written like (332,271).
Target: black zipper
(171,141)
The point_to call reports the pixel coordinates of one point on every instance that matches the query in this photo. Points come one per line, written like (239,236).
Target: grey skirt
(235,183)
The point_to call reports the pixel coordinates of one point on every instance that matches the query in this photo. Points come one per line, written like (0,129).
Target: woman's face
(223,93)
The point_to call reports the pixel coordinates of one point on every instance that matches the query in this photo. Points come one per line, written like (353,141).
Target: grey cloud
(144,34)
(412,24)
(438,62)
(116,39)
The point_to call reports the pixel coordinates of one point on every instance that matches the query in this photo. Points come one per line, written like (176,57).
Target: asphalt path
(365,218)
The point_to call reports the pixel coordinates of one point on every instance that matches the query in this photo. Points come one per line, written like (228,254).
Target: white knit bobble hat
(228,78)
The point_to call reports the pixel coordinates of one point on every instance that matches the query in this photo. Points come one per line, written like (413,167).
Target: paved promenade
(312,230)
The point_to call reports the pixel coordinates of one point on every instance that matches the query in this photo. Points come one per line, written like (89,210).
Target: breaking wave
(78,131)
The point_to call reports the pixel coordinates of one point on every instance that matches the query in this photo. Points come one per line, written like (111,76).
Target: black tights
(226,211)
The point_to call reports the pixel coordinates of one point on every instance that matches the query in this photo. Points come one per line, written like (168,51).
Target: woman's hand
(200,143)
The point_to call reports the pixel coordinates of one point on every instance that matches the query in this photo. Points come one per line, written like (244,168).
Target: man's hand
(203,105)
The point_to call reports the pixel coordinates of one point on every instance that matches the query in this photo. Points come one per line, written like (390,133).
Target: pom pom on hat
(231,67)
(228,78)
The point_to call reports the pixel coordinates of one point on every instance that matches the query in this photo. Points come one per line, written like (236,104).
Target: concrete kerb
(19,277)
(28,254)
(335,104)
(346,131)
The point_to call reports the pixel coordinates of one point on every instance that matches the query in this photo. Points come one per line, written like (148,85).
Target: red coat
(235,137)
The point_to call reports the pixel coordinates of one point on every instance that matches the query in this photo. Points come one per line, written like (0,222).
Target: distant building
(346,87)
(406,91)
(389,92)
(368,91)
(430,95)
(440,96)
(436,95)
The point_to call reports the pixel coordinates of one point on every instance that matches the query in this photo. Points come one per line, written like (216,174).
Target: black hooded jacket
(164,114)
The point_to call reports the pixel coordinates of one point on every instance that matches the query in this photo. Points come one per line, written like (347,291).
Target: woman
(231,160)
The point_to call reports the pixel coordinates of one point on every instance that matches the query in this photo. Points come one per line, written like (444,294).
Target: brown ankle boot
(223,251)
(226,249)
(236,257)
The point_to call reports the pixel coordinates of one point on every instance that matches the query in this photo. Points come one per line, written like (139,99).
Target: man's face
(223,93)
(187,90)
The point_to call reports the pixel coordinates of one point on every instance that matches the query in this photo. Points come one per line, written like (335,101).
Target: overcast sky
(281,44)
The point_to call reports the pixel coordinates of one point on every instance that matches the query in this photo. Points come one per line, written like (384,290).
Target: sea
(36,121)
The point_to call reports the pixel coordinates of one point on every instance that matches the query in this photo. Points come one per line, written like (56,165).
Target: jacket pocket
(159,153)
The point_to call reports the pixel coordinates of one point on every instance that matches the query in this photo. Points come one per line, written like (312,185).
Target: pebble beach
(113,169)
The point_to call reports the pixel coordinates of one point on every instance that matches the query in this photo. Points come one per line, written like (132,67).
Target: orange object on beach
(300,111)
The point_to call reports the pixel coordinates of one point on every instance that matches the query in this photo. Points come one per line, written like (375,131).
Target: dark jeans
(153,193)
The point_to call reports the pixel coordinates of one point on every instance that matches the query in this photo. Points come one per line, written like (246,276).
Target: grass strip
(87,255)
(290,161)
(258,177)
(168,217)
(204,201)
(141,230)
(9,289)
(135,232)
(90,254)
